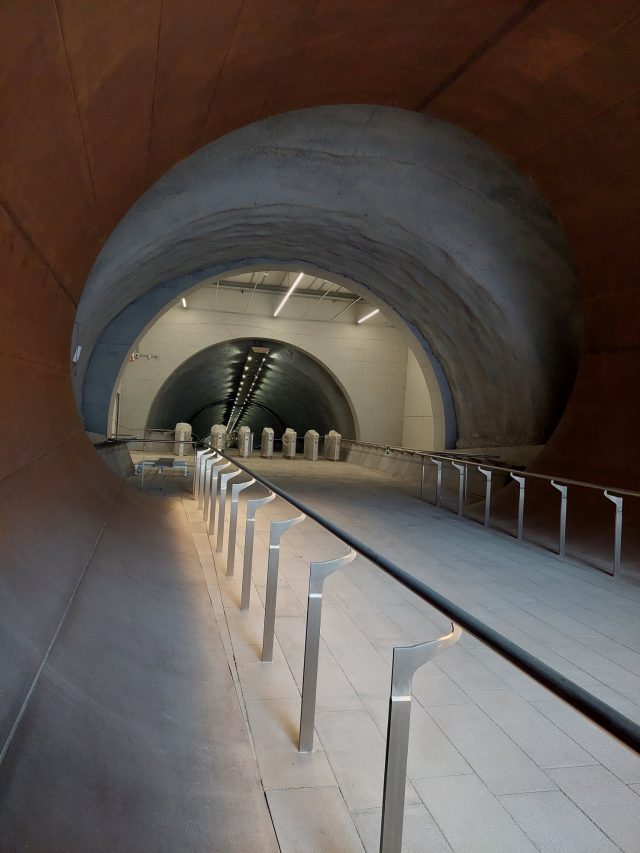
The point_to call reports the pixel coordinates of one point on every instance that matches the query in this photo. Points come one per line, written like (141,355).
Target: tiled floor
(496,763)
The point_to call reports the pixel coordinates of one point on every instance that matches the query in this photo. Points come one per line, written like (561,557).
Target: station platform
(153,724)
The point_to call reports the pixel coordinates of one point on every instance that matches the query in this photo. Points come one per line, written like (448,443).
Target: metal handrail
(462,462)
(459,456)
(615,723)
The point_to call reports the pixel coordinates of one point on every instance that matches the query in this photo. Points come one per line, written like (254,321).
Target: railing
(463,462)
(162,458)
(210,490)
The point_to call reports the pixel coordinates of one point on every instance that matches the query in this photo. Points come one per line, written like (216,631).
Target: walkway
(132,738)
(496,763)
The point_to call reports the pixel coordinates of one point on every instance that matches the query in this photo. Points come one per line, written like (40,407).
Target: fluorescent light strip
(288,294)
(184,302)
(367,316)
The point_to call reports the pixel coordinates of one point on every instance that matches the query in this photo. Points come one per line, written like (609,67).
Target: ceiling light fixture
(184,302)
(367,316)
(288,294)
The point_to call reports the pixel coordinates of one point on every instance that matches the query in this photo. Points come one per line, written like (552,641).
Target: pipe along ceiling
(290,390)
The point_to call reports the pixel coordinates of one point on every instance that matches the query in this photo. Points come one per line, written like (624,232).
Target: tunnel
(468,169)
(293,390)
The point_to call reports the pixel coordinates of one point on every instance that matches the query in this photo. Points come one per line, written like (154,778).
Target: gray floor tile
(420,832)
(471,818)
(313,820)
(554,823)
(502,765)
(610,804)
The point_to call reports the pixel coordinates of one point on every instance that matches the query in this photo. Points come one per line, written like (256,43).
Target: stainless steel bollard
(203,459)
(224,479)
(563,516)
(487,493)
(196,470)
(271,594)
(406,661)
(236,488)
(209,465)
(617,500)
(460,468)
(247,558)
(438,464)
(214,479)
(318,573)
(521,482)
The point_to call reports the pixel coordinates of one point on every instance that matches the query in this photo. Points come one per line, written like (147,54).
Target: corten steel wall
(99,99)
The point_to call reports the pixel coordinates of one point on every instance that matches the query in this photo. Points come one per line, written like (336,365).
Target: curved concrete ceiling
(421,217)
(293,390)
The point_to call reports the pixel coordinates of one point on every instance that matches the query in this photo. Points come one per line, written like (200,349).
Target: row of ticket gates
(311,445)
(220,439)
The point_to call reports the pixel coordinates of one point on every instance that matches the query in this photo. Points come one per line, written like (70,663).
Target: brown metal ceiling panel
(112,50)
(606,144)
(255,60)
(44,179)
(36,314)
(601,78)
(194,37)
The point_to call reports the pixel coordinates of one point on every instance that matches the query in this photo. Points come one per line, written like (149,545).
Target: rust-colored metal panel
(194,38)
(609,142)
(613,320)
(111,49)
(257,52)
(44,179)
(38,411)
(601,217)
(602,77)
(36,313)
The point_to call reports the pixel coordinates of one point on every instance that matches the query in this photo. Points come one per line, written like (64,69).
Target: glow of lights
(184,302)
(288,294)
(367,316)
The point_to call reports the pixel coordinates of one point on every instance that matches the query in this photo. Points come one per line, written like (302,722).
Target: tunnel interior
(476,171)
(281,387)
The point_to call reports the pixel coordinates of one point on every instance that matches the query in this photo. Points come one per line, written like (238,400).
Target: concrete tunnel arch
(297,390)
(427,221)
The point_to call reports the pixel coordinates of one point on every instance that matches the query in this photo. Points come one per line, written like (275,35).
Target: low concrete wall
(116,455)
(408,467)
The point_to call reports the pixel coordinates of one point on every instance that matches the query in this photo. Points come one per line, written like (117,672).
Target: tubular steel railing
(406,659)
(463,463)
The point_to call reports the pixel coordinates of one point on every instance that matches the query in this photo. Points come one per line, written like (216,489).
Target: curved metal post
(521,482)
(563,516)
(196,470)
(236,488)
(213,491)
(224,479)
(209,465)
(438,464)
(617,541)
(318,573)
(203,460)
(271,594)
(487,493)
(461,478)
(247,558)
(422,478)
(406,661)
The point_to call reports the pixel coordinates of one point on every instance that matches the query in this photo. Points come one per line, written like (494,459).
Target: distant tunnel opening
(292,390)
